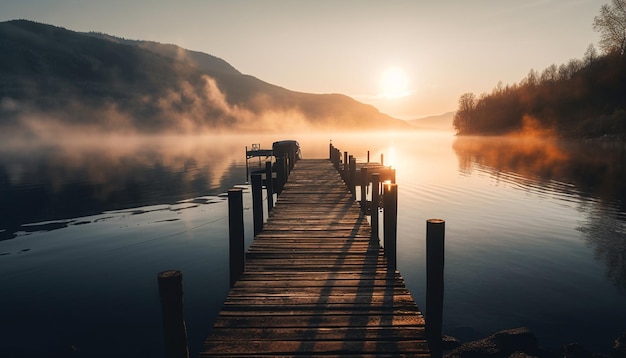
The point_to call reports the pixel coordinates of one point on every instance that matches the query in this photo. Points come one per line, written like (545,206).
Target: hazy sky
(443,47)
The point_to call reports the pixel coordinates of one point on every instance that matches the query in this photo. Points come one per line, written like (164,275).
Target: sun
(394,83)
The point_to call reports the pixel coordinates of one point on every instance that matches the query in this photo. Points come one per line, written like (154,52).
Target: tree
(532,79)
(550,74)
(611,23)
(463,116)
(591,55)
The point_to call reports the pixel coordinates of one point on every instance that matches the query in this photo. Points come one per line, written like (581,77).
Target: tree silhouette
(611,23)
(463,117)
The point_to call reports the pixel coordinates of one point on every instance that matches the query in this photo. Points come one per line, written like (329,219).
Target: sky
(410,58)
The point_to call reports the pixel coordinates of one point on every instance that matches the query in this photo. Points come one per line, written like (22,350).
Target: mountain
(439,122)
(51,77)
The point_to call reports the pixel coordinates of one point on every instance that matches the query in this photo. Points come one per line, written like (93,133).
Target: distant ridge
(53,75)
(438,122)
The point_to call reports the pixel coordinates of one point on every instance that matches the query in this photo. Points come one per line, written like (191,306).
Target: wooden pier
(316,283)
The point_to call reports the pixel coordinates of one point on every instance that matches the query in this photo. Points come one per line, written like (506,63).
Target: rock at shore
(518,342)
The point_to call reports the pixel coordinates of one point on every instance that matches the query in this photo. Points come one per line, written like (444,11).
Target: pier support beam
(375,205)
(269,186)
(174,329)
(346,167)
(364,184)
(390,223)
(236,234)
(281,173)
(257,202)
(435,233)
(352,176)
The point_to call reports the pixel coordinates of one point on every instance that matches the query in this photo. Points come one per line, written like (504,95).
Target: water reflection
(605,232)
(90,175)
(592,172)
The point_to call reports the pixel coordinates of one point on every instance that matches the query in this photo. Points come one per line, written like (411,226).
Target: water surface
(535,235)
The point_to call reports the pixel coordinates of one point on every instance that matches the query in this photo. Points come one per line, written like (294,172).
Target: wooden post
(390,223)
(174,329)
(281,177)
(247,169)
(330,150)
(352,177)
(375,204)
(257,202)
(286,171)
(435,234)
(368,156)
(236,234)
(269,186)
(292,159)
(346,167)
(382,157)
(364,185)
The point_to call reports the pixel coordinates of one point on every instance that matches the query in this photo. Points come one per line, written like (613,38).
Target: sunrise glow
(394,83)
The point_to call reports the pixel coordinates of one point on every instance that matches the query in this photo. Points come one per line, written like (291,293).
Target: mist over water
(536,233)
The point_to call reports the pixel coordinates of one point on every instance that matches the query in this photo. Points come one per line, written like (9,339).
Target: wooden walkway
(315,284)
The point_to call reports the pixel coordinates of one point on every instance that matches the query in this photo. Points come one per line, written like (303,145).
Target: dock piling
(269,186)
(346,167)
(375,205)
(363,186)
(435,237)
(257,202)
(281,173)
(236,234)
(390,223)
(352,176)
(174,329)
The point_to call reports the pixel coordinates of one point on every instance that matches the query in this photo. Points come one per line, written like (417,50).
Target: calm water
(535,235)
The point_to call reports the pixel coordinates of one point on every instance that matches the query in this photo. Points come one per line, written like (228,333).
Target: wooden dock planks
(315,284)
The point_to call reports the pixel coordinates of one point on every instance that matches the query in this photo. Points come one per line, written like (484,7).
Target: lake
(535,234)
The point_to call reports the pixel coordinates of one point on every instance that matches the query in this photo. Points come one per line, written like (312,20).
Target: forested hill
(583,98)
(50,75)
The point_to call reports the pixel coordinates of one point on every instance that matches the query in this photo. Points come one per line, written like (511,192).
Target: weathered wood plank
(283,348)
(326,334)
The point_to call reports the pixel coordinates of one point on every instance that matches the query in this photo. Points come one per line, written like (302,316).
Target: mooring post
(352,177)
(364,185)
(286,170)
(368,156)
(390,223)
(280,174)
(435,237)
(338,159)
(174,329)
(346,167)
(236,234)
(269,186)
(374,205)
(247,169)
(330,150)
(292,159)
(257,202)
(382,157)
